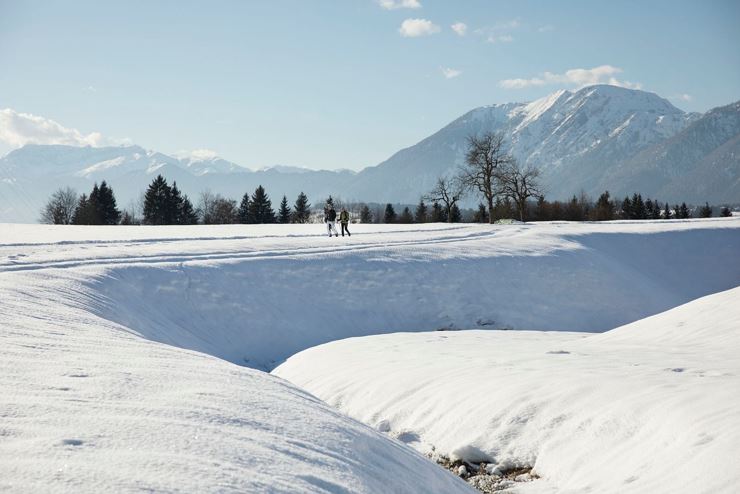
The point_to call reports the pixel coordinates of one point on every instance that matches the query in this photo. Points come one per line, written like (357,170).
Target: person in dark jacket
(344,220)
(330,216)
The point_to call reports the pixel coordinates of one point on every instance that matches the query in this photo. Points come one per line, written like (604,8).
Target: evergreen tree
(301,209)
(158,203)
(676,212)
(186,213)
(330,201)
(655,215)
(649,208)
(420,215)
(705,211)
(542,211)
(406,216)
(106,211)
(438,213)
(626,212)
(84,213)
(725,212)
(667,212)
(481,215)
(365,215)
(684,212)
(260,207)
(455,214)
(284,211)
(639,211)
(604,210)
(244,209)
(390,213)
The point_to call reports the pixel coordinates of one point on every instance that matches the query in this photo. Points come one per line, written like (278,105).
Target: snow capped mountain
(594,139)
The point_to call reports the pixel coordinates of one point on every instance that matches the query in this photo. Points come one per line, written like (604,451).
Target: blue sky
(335,84)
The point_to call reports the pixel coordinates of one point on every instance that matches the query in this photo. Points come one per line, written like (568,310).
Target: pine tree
(604,208)
(725,212)
(284,212)
(684,212)
(542,211)
(365,215)
(626,212)
(406,216)
(158,202)
(705,211)
(390,213)
(455,214)
(420,215)
(186,213)
(260,207)
(481,215)
(438,214)
(667,212)
(330,201)
(93,201)
(84,213)
(244,209)
(638,208)
(106,210)
(301,209)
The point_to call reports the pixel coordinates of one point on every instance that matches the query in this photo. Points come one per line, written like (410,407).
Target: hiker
(344,220)
(330,216)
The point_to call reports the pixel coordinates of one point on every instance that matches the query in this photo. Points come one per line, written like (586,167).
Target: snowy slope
(649,407)
(88,406)
(231,291)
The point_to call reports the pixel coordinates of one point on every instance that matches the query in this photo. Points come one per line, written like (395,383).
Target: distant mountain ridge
(597,138)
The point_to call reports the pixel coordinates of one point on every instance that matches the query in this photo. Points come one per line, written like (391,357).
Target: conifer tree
(626,209)
(284,211)
(158,203)
(604,210)
(684,211)
(366,216)
(174,205)
(455,214)
(244,209)
(106,211)
(84,212)
(481,215)
(420,215)
(438,213)
(406,217)
(301,209)
(705,211)
(638,207)
(725,212)
(186,214)
(390,213)
(667,211)
(260,207)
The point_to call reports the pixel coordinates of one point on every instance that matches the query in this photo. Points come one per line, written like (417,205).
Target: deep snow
(91,399)
(649,407)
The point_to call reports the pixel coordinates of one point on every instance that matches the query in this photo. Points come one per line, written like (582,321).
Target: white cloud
(460,28)
(412,28)
(546,28)
(500,32)
(18,129)
(683,97)
(399,4)
(450,73)
(603,74)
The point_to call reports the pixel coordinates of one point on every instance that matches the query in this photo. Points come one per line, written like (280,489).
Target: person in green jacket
(344,220)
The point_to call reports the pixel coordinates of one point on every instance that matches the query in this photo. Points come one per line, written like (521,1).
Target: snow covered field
(91,399)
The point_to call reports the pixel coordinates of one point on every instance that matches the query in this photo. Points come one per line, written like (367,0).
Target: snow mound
(88,407)
(637,409)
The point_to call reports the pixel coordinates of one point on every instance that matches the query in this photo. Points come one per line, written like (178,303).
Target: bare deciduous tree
(447,191)
(484,161)
(60,208)
(519,184)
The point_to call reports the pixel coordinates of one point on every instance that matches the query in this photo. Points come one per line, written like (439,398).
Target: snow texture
(100,389)
(652,406)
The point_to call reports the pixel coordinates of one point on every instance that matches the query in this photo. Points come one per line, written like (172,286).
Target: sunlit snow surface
(91,400)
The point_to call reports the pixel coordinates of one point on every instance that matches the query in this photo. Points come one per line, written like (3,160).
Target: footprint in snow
(72,442)
(558,352)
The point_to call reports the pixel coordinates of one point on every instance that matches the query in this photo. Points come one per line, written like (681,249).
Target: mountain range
(594,139)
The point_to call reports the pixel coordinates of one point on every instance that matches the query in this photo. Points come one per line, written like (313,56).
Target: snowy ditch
(293,304)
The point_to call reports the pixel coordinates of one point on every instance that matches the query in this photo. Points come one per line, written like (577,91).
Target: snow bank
(85,406)
(649,407)
(257,299)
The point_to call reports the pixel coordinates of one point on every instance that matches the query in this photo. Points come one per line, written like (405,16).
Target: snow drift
(648,407)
